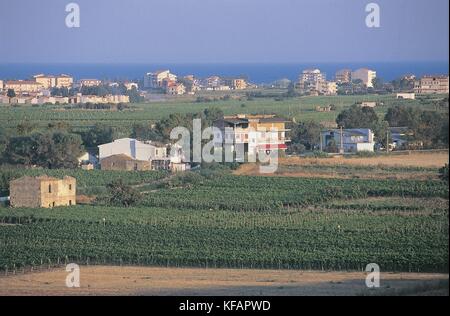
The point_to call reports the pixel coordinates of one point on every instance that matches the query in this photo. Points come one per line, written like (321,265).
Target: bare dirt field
(292,166)
(101,280)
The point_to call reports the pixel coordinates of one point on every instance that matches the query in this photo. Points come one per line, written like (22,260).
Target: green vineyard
(303,240)
(241,222)
(265,194)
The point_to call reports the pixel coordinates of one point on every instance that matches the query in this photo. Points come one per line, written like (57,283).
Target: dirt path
(98,280)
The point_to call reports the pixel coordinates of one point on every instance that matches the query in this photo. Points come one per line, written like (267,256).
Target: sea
(258,73)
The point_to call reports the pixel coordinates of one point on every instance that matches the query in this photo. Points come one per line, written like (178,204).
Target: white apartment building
(351,140)
(313,80)
(365,75)
(154,80)
(50,81)
(312,76)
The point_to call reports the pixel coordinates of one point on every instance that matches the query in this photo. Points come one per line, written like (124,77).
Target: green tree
(145,132)
(120,194)
(51,150)
(97,135)
(357,117)
(25,127)
(402,115)
(306,134)
(429,127)
(134,95)
(378,83)
(443,173)
(11,93)
(3,142)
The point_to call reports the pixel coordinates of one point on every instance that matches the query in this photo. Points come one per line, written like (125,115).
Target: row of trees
(51,150)
(426,126)
(55,147)
(429,127)
(161,130)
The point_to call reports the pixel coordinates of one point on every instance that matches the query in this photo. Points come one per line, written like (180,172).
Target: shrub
(443,173)
(120,194)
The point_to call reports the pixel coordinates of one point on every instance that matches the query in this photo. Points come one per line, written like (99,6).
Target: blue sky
(220,31)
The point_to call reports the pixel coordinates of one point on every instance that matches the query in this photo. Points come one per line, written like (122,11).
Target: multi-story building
(23,86)
(64,81)
(250,134)
(213,81)
(90,82)
(329,88)
(365,75)
(311,80)
(236,84)
(154,80)
(43,191)
(348,140)
(343,76)
(312,76)
(1,85)
(174,88)
(46,81)
(50,81)
(432,85)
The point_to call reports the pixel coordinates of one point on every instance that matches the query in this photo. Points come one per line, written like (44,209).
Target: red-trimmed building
(256,133)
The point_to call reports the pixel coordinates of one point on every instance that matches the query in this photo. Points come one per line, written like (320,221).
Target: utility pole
(387,141)
(320,141)
(341,150)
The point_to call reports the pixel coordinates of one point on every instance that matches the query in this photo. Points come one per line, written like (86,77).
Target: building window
(70,187)
(49,188)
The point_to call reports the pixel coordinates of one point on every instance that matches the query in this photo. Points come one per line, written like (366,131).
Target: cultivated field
(213,232)
(404,165)
(226,221)
(100,280)
(299,108)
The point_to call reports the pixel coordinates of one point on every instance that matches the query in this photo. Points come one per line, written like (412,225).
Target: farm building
(124,162)
(368,104)
(406,96)
(154,153)
(43,191)
(134,148)
(353,140)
